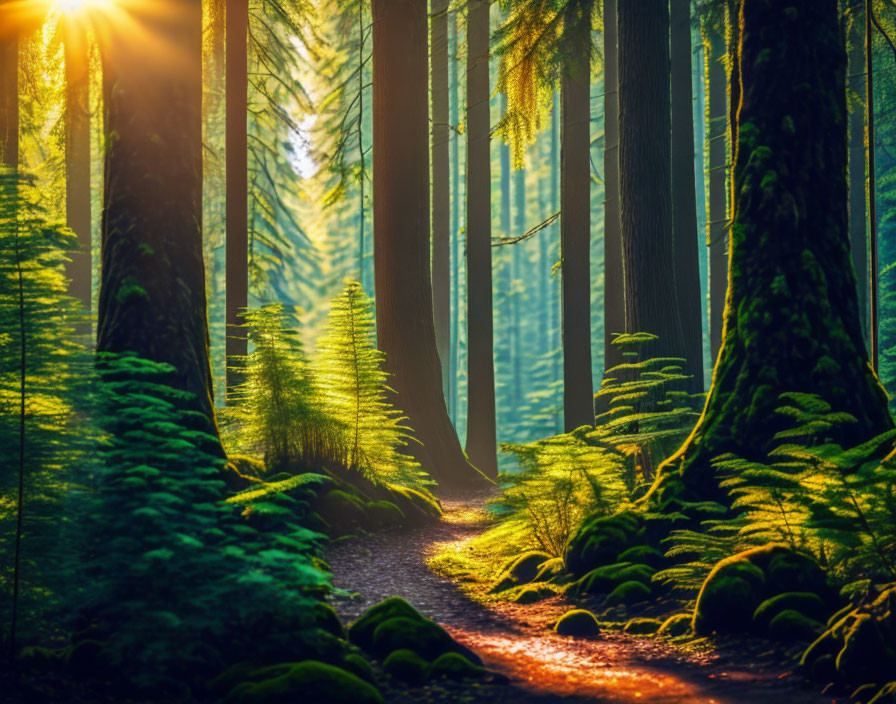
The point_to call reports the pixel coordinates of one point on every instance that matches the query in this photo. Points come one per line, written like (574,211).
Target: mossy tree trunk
(405,329)
(858,216)
(792,317)
(152,289)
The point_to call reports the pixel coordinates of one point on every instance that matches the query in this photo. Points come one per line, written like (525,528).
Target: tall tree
(717,220)
(9,92)
(790,252)
(614,281)
(858,232)
(651,300)
(152,289)
(441,186)
(405,329)
(454,337)
(482,446)
(575,218)
(237,215)
(79,269)
(684,195)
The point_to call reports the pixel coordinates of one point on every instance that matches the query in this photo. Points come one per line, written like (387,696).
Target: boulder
(456,667)
(406,665)
(628,593)
(807,603)
(676,625)
(578,624)
(642,626)
(361,631)
(309,681)
(791,625)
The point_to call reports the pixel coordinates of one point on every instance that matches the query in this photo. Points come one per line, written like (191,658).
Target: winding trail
(515,640)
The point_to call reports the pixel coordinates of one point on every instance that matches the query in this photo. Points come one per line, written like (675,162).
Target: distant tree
(405,331)
(152,293)
(791,319)
(9,89)
(482,446)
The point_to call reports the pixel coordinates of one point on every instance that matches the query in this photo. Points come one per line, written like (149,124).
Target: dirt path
(516,641)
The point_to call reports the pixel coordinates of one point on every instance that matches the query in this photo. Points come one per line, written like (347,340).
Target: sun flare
(71,7)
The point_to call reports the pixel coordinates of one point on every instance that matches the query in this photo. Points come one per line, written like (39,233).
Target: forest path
(516,641)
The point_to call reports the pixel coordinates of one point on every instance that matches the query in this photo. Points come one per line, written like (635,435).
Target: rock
(790,571)
(806,603)
(791,625)
(826,645)
(532,593)
(676,625)
(326,618)
(342,510)
(578,623)
(456,667)
(525,567)
(628,593)
(603,580)
(406,665)
(643,554)
(358,666)
(600,540)
(864,656)
(426,638)
(308,681)
(382,515)
(361,631)
(729,597)
(642,626)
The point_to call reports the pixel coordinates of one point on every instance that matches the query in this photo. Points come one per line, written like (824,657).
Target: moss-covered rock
(824,670)
(791,625)
(600,540)
(360,632)
(358,666)
(406,665)
(310,681)
(553,571)
(456,667)
(578,623)
(342,510)
(864,657)
(642,626)
(789,571)
(524,568)
(426,638)
(806,603)
(502,584)
(642,554)
(603,580)
(729,596)
(532,593)
(628,593)
(676,625)
(886,695)
(382,515)
(326,618)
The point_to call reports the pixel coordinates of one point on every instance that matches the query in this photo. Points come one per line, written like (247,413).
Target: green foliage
(45,377)
(171,573)
(350,368)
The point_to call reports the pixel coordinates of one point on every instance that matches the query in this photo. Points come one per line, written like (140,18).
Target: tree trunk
(684,195)
(237,209)
(454,337)
(152,294)
(441,184)
(614,282)
(651,296)
(717,225)
(481,431)
(516,272)
(791,320)
(575,222)
(556,325)
(9,100)
(405,329)
(77,161)
(858,232)
(501,269)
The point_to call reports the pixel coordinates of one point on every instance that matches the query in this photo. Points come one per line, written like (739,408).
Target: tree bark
(152,293)
(791,319)
(684,195)
(516,272)
(575,221)
(405,329)
(9,100)
(858,231)
(454,337)
(651,295)
(481,430)
(614,280)
(237,208)
(441,184)
(717,226)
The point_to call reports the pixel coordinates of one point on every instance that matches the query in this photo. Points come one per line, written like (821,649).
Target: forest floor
(516,640)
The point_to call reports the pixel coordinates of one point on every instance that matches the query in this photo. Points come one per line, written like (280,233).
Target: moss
(791,625)
(599,541)
(805,602)
(531,593)
(426,638)
(578,623)
(358,666)
(604,580)
(642,626)
(502,585)
(643,554)
(886,695)
(326,618)
(406,665)
(456,667)
(310,681)
(525,567)
(383,515)
(675,626)
(361,631)
(790,571)
(342,510)
(729,596)
(864,656)
(554,571)
(628,593)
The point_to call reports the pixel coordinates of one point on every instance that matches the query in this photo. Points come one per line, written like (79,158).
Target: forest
(447,352)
